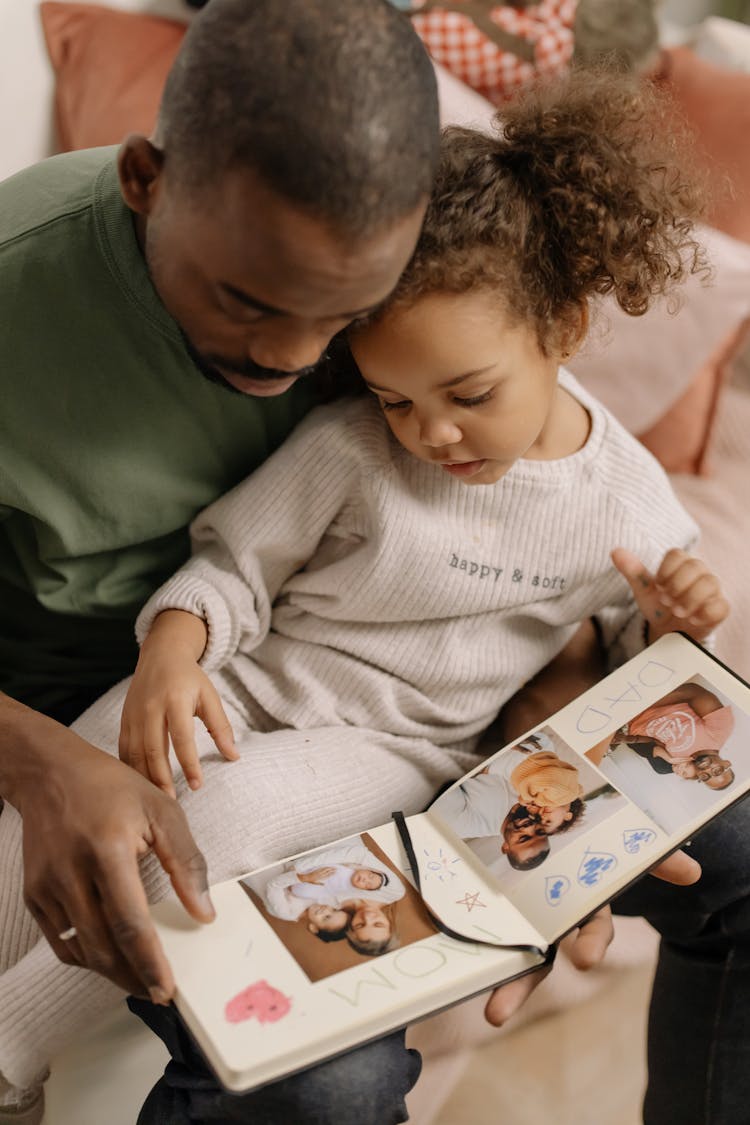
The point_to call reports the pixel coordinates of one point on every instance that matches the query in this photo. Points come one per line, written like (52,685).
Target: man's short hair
(333,103)
(531,862)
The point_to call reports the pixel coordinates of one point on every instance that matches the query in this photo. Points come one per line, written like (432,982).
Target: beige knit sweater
(346,582)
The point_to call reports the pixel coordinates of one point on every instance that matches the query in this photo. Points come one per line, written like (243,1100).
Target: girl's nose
(436,432)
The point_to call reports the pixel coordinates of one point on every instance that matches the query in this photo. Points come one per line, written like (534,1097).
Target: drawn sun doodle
(440,866)
(470,901)
(636,838)
(555,886)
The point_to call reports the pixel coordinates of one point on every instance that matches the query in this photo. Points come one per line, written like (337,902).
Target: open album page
(578,808)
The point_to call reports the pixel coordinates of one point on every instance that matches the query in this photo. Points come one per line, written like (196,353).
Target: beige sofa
(576,1050)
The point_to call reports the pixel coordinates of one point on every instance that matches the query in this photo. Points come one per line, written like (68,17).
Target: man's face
(715,772)
(370,923)
(523,835)
(257,286)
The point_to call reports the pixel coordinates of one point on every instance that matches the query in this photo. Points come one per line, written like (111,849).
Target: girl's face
(320,917)
(462,386)
(550,819)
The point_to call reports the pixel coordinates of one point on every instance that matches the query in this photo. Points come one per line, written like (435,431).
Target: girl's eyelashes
(475,400)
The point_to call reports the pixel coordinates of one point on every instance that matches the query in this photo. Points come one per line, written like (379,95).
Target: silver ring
(66,935)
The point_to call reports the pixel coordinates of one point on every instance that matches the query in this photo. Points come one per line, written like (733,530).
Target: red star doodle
(470,901)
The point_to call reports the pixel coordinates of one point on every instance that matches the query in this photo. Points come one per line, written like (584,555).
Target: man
(280,198)
(136,296)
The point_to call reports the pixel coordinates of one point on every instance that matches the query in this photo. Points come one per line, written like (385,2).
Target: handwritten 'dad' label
(618,705)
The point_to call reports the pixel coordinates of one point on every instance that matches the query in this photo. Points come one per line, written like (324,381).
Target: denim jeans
(699,1023)
(367,1085)
(699,1026)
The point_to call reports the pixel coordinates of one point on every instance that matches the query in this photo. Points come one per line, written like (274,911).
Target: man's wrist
(27,749)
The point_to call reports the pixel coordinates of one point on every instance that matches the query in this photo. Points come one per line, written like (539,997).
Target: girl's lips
(463,468)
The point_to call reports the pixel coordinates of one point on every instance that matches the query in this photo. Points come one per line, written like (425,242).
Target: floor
(588,1063)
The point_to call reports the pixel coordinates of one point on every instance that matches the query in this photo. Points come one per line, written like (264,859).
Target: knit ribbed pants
(290,790)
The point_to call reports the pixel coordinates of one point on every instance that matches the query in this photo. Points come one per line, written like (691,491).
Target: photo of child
(678,757)
(336,907)
(527,802)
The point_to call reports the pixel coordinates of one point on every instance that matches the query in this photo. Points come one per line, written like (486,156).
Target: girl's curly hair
(579,191)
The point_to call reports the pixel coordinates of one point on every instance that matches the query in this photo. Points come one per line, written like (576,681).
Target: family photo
(339,906)
(529,801)
(679,757)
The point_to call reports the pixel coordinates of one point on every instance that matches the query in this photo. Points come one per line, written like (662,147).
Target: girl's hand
(683,594)
(168,689)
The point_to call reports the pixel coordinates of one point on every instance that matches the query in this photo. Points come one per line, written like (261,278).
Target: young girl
(406,562)
(367,601)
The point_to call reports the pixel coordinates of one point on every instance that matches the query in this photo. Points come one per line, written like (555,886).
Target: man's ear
(139,165)
(313,928)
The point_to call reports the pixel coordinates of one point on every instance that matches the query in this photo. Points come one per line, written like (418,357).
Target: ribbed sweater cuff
(187,592)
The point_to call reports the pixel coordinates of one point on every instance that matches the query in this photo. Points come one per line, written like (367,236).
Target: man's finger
(125,909)
(506,1000)
(180,857)
(53,919)
(92,946)
(678,868)
(592,940)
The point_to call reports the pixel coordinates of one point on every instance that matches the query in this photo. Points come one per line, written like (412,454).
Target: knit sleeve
(249,542)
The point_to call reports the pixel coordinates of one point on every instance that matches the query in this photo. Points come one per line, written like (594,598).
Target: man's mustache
(211,366)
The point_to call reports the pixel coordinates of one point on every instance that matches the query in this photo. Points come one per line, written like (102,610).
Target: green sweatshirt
(110,438)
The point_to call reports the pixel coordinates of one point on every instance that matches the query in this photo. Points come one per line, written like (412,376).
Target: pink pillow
(110,68)
(716,103)
(681,438)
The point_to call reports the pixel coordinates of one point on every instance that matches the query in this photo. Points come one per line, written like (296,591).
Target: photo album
(326,950)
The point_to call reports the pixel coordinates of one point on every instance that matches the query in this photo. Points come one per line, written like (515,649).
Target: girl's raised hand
(683,594)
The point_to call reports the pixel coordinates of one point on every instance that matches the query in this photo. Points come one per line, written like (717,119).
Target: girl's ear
(577,330)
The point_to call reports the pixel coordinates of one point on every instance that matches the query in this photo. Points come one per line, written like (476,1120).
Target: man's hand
(87,820)
(590,945)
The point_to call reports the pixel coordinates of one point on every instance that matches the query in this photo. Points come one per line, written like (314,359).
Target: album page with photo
(331,948)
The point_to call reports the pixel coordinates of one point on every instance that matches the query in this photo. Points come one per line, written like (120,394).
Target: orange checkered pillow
(497,48)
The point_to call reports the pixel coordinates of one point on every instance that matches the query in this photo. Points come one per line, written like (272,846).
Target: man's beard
(210,365)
